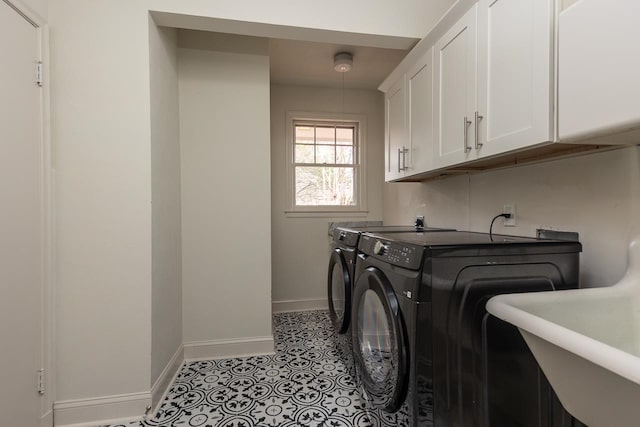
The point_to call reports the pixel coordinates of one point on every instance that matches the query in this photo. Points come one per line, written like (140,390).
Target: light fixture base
(342,62)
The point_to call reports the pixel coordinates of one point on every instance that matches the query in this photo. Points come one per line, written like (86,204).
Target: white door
(514,74)
(420,94)
(21,222)
(396,125)
(455,77)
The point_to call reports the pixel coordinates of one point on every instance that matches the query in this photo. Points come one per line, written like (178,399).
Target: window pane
(304,134)
(344,155)
(304,153)
(317,186)
(325,135)
(325,154)
(344,136)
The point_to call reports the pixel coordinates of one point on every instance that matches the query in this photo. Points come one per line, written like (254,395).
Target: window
(325,163)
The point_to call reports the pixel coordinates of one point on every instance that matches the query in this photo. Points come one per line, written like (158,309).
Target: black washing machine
(425,349)
(342,265)
(342,275)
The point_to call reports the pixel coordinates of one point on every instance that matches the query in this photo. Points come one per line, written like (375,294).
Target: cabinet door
(395,128)
(599,66)
(420,100)
(515,67)
(455,77)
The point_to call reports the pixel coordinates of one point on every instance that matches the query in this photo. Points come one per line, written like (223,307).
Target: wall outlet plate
(510,209)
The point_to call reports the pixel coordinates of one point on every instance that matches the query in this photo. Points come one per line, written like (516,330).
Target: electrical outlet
(510,209)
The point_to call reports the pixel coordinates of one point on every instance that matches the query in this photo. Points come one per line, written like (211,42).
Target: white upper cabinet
(420,111)
(515,74)
(494,81)
(409,121)
(599,69)
(505,87)
(396,146)
(455,92)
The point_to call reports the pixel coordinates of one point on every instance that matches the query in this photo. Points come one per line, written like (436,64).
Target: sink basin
(587,342)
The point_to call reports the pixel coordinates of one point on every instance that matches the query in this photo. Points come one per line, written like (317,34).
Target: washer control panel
(396,253)
(346,237)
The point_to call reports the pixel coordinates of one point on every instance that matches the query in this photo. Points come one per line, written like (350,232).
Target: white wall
(300,246)
(597,195)
(101,134)
(403,18)
(226,243)
(166,223)
(39,7)
(101,141)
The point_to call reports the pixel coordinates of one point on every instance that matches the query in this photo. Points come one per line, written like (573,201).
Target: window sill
(325,214)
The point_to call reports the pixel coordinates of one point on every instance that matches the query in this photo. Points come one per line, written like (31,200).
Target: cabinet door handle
(478,118)
(402,164)
(404,158)
(467,123)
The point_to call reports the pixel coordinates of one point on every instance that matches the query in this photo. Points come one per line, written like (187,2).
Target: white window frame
(360,181)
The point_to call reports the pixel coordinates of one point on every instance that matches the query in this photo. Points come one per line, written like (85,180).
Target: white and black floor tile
(305,383)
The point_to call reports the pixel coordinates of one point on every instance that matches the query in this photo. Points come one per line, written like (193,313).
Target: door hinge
(41,381)
(39,73)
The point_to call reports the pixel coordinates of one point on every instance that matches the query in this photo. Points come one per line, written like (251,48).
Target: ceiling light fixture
(342,62)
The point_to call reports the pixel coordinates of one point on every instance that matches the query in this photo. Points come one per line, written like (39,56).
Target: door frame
(48,218)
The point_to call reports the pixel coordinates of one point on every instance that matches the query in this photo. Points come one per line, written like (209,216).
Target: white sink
(587,342)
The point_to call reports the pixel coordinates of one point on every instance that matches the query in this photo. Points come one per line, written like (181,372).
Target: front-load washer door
(339,291)
(379,341)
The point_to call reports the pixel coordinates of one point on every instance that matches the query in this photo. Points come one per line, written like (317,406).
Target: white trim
(120,408)
(103,410)
(221,349)
(360,184)
(105,422)
(49,292)
(166,378)
(47,419)
(24,10)
(48,211)
(286,306)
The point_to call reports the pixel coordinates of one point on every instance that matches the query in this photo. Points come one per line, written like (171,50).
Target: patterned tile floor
(305,383)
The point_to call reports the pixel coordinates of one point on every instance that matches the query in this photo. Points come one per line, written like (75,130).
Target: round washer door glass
(376,337)
(378,341)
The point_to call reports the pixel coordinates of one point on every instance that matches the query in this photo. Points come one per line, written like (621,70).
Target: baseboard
(47,419)
(166,378)
(101,410)
(286,306)
(129,407)
(219,349)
